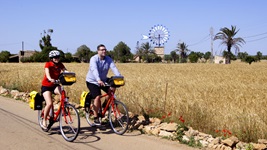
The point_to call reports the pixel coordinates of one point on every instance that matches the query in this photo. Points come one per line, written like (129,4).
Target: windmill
(158,35)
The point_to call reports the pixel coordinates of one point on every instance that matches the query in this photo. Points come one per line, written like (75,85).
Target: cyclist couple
(95,79)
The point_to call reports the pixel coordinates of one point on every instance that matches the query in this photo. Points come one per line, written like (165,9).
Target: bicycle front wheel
(69,123)
(89,116)
(118,117)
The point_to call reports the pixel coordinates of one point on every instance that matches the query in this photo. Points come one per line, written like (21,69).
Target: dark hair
(100,45)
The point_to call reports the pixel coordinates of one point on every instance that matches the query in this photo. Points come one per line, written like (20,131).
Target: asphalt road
(19,129)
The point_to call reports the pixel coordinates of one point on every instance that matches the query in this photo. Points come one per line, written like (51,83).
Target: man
(97,76)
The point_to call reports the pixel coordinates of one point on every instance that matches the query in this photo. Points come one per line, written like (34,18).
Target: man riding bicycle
(97,76)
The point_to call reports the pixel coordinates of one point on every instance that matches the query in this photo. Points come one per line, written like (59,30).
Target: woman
(53,68)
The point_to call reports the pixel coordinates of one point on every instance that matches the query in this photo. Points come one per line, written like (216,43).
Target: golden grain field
(209,97)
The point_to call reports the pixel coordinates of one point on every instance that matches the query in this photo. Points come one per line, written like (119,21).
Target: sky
(90,23)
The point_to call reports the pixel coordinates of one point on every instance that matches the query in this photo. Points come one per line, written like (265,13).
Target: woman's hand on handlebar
(54,81)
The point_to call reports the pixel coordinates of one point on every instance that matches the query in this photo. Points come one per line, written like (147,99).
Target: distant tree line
(146,53)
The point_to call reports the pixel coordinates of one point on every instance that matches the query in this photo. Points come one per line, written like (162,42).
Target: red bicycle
(66,114)
(117,115)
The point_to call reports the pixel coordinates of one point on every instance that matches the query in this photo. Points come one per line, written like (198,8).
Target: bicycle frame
(110,102)
(55,115)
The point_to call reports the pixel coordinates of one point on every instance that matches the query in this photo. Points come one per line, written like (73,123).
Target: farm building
(17,58)
(219,60)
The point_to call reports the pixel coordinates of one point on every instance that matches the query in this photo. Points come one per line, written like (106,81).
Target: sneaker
(43,126)
(96,121)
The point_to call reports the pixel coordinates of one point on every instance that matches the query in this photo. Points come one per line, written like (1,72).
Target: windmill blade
(144,37)
(159,34)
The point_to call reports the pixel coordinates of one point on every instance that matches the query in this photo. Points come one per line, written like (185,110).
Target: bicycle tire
(118,117)
(89,116)
(69,123)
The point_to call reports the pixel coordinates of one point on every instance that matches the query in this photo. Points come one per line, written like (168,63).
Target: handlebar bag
(67,78)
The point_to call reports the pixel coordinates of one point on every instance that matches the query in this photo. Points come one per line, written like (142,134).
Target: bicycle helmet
(54,53)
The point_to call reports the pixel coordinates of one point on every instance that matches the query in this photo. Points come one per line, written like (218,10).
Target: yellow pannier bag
(35,101)
(85,99)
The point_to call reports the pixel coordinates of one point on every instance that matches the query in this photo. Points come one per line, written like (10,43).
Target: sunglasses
(57,57)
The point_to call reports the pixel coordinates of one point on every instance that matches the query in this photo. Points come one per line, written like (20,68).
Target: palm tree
(146,49)
(182,49)
(227,37)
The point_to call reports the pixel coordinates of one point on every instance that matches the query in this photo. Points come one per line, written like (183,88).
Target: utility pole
(211,45)
(137,51)
(21,53)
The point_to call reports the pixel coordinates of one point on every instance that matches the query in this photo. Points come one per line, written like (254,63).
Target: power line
(202,40)
(257,39)
(32,46)
(255,35)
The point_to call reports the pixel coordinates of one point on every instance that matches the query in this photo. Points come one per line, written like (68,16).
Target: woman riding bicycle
(97,76)
(53,68)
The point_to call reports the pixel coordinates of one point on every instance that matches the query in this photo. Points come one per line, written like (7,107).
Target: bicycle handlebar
(107,84)
(56,81)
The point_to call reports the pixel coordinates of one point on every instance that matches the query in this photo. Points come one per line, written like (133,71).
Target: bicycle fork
(64,111)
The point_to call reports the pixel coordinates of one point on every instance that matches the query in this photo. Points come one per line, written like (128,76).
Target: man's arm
(94,69)
(114,69)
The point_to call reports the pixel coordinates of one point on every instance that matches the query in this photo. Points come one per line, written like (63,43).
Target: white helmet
(54,53)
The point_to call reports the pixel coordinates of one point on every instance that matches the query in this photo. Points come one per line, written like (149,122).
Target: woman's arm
(47,74)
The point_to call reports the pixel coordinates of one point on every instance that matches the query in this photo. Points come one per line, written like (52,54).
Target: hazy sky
(78,22)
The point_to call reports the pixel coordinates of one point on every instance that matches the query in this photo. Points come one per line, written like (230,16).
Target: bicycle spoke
(116,115)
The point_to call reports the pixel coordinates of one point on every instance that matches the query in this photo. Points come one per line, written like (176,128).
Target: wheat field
(210,97)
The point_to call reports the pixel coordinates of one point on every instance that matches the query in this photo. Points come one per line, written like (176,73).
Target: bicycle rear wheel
(69,123)
(118,117)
